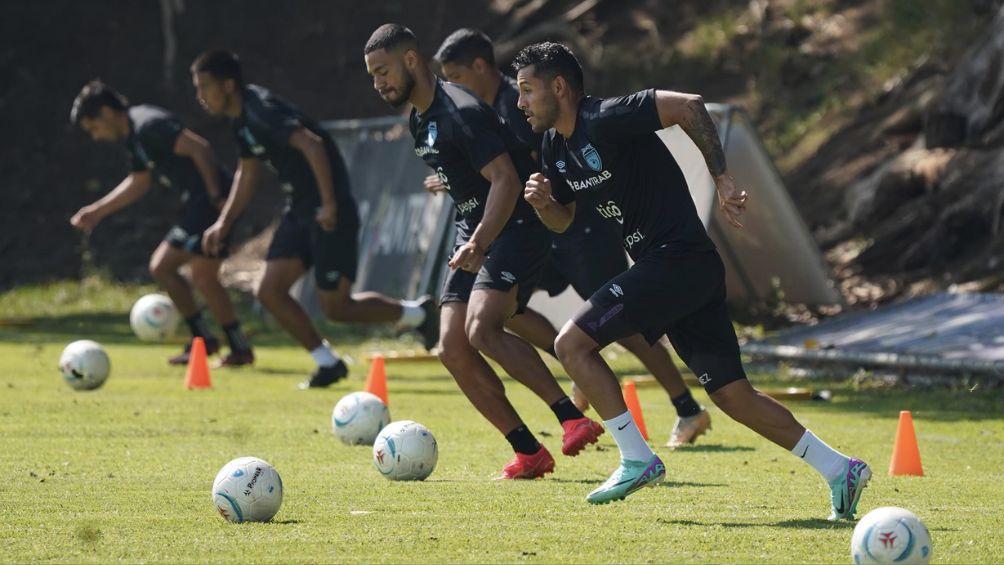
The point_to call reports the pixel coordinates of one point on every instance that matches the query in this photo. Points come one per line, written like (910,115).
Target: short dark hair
(94,96)
(464,46)
(220,63)
(551,60)
(389,36)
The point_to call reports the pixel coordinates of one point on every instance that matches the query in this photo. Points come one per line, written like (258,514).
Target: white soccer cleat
(687,430)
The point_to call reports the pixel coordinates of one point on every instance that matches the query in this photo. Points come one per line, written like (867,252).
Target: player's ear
(479,66)
(410,59)
(559,86)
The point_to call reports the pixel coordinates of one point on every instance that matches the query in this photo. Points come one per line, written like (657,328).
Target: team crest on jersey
(592,157)
(433,128)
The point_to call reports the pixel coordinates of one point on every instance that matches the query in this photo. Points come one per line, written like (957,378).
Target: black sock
(552,352)
(564,409)
(198,326)
(686,406)
(238,341)
(522,441)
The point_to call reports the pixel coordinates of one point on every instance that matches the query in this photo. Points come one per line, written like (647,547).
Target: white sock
(323,355)
(412,315)
(828,461)
(633,447)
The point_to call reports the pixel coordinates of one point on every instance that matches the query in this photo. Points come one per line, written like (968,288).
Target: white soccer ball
(358,418)
(154,318)
(84,364)
(405,451)
(247,489)
(890,535)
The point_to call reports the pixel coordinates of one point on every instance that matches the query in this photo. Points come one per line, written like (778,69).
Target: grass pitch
(123,474)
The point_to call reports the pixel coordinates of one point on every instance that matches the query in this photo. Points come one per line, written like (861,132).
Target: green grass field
(123,474)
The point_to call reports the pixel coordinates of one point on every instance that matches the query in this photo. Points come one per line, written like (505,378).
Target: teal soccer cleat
(629,477)
(845,491)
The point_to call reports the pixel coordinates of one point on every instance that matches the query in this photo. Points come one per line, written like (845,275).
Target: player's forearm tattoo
(702,131)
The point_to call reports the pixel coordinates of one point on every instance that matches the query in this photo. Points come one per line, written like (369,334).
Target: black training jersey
(631,178)
(263,130)
(457,136)
(153,132)
(505,104)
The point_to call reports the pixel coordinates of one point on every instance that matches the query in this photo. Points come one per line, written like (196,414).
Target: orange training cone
(376,380)
(634,407)
(905,453)
(197,375)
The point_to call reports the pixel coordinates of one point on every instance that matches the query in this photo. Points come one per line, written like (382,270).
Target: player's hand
(86,219)
(326,216)
(731,199)
(434,184)
(212,238)
(468,258)
(538,191)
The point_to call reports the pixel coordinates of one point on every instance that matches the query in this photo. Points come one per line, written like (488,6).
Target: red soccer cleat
(579,433)
(528,466)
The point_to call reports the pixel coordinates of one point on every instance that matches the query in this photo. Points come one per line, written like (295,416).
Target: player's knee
(204,279)
(267,294)
(454,351)
(567,346)
(336,308)
(158,270)
(482,336)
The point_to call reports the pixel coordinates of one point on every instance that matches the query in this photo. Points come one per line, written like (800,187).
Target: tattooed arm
(688,111)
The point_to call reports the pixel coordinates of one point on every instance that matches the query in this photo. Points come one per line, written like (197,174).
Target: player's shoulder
(458,99)
(260,103)
(508,91)
(146,115)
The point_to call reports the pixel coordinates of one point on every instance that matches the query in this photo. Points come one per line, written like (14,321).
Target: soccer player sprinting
(320,224)
(500,248)
(165,153)
(677,284)
(585,256)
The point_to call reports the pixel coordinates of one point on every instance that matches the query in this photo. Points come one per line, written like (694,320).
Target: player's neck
(565,124)
(424,91)
(122,125)
(236,105)
(493,86)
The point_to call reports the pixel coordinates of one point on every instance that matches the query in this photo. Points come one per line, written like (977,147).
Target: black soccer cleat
(429,328)
(326,376)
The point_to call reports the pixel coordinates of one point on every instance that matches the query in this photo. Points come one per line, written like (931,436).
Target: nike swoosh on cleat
(624,426)
(804,452)
(840,509)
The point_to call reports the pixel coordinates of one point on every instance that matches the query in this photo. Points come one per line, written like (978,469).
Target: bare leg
(164,265)
(367,307)
(472,373)
(534,328)
(273,292)
(486,313)
(205,277)
(658,361)
(581,358)
(759,412)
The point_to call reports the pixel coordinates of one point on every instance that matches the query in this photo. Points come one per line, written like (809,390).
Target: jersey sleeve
(276,121)
(160,135)
(621,118)
(477,134)
(559,188)
(136,164)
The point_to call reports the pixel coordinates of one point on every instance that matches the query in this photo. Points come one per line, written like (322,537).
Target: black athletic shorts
(585,259)
(333,254)
(515,258)
(196,216)
(682,297)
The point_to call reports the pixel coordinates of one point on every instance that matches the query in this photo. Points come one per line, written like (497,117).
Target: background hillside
(884,116)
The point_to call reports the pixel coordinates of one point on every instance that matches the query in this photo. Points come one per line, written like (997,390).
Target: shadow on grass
(810,524)
(712,448)
(113,327)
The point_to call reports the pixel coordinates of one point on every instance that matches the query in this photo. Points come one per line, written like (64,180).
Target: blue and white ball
(247,489)
(890,535)
(84,365)
(154,318)
(405,451)
(358,418)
